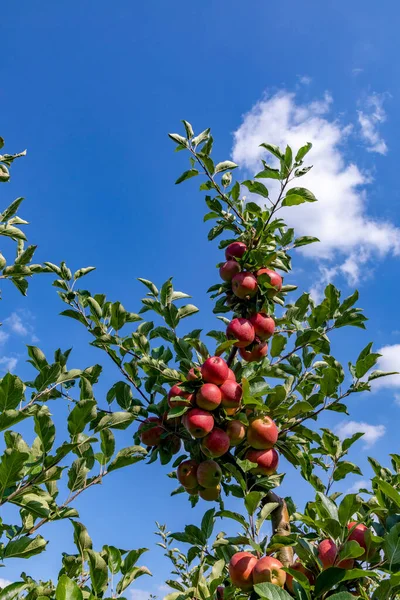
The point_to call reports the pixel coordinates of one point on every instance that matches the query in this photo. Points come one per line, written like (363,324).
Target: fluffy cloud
(357,485)
(4,582)
(340,218)
(8,363)
(390,362)
(369,120)
(372,433)
(3,337)
(14,322)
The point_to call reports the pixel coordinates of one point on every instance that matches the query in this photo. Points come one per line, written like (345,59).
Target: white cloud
(8,363)
(397,399)
(389,362)
(340,220)
(3,338)
(4,582)
(14,322)
(305,80)
(139,594)
(372,433)
(369,120)
(357,485)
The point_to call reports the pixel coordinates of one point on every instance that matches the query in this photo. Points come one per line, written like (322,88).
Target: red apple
(235,250)
(231,394)
(255,353)
(198,422)
(231,375)
(297,566)
(215,370)
(241,570)
(151,434)
(328,554)
(275,280)
(264,326)
(210,494)
(209,396)
(187,398)
(216,443)
(220,593)
(187,473)
(229,269)
(209,474)
(193,374)
(242,331)
(262,433)
(269,569)
(236,432)
(267,461)
(244,285)
(192,491)
(358,534)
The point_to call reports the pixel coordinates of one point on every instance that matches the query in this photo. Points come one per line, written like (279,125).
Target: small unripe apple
(209,474)
(236,432)
(231,394)
(235,250)
(269,569)
(262,433)
(328,554)
(194,374)
(229,269)
(267,461)
(244,285)
(187,473)
(300,568)
(255,353)
(241,330)
(231,375)
(241,570)
(264,325)
(209,396)
(187,398)
(152,431)
(216,443)
(215,370)
(198,422)
(275,280)
(210,494)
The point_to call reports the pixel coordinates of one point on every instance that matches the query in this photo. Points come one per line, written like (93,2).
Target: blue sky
(92,90)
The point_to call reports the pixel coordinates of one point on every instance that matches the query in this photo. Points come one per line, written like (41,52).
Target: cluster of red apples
(250,333)
(246,570)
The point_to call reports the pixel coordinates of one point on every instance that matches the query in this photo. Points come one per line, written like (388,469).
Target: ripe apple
(255,353)
(151,436)
(187,398)
(262,433)
(231,394)
(269,569)
(229,269)
(328,553)
(244,285)
(241,330)
(187,473)
(216,443)
(358,534)
(209,396)
(193,374)
(241,570)
(297,566)
(198,422)
(267,461)
(210,494)
(264,325)
(215,370)
(275,280)
(236,432)
(220,592)
(231,375)
(192,491)
(235,250)
(209,474)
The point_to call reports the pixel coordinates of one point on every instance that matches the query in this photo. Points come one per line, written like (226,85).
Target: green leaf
(303,151)
(392,546)
(328,507)
(115,420)
(278,344)
(389,491)
(255,187)
(252,501)
(11,392)
(304,240)
(226,165)
(11,467)
(342,596)
(12,232)
(273,149)
(178,139)
(127,456)
(118,316)
(187,175)
(186,311)
(188,129)
(13,590)
(83,412)
(271,591)
(25,547)
(344,468)
(77,474)
(269,173)
(298,195)
(98,572)
(207,523)
(348,507)
(233,515)
(266,510)
(114,559)
(45,429)
(48,375)
(67,589)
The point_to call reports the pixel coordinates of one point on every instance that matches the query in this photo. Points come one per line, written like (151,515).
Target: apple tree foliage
(153,349)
